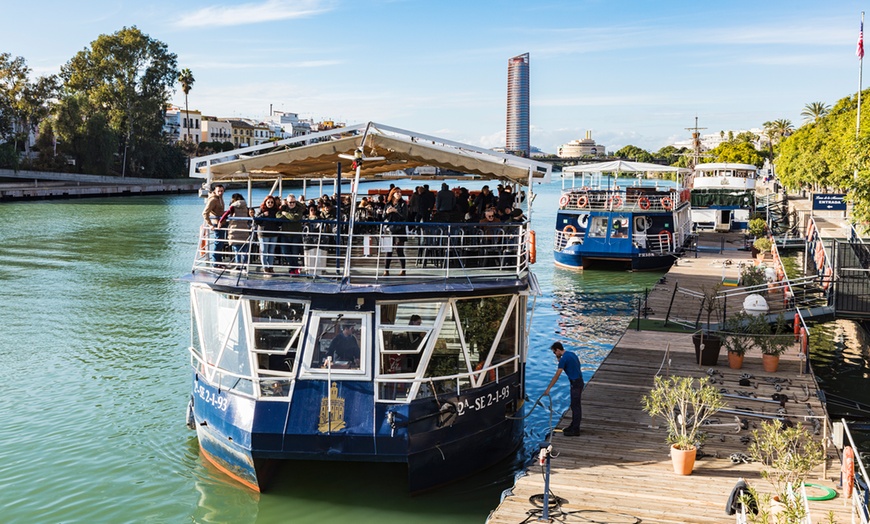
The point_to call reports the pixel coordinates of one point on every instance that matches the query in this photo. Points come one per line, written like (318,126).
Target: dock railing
(369,250)
(860,495)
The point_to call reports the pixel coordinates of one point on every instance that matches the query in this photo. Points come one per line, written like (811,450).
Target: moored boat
(723,196)
(335,356)
(605,225)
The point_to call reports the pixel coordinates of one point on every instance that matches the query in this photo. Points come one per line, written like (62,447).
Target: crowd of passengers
(284,228)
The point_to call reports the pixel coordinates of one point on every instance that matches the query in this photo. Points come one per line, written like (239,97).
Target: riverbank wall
(40,185)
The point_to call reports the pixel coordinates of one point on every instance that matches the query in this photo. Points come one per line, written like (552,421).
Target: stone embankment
(38,185)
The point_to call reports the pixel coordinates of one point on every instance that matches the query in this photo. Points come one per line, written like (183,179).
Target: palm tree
(776,130)
(814,111)
(187,80)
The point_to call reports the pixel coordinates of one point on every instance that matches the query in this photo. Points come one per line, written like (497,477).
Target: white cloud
(253,13)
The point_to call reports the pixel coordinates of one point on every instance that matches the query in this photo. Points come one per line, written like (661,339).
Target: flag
(860,50)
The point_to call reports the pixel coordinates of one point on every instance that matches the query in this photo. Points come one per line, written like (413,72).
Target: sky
(630,72)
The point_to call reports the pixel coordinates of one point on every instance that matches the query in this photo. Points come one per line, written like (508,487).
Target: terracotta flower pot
(735,361)
(683,460)
(770,363)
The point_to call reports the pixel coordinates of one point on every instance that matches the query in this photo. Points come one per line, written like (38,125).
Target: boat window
(447,359)
(620,227)
(481,319)
(401,313)
(275,311)
(598,227)
(339,339)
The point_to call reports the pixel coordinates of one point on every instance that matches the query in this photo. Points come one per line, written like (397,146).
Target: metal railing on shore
(326,249)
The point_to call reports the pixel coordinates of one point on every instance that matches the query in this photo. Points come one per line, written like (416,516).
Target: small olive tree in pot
(684,408)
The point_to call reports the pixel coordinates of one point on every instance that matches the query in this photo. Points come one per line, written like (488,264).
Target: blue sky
(631,72)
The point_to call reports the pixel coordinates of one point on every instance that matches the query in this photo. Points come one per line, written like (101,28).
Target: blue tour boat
(334,357)
(605,225)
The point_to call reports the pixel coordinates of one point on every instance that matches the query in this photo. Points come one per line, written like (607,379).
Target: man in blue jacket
(570,364)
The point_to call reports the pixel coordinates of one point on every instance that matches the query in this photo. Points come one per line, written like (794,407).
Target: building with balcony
(213,129)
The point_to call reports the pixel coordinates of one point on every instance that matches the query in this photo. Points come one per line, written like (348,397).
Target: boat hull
(631,262)
(440,440)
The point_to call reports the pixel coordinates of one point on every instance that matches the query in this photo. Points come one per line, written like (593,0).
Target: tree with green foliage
(23,104)
(737,152)
(827,156)
(634,153)
(814,111)
(123,81)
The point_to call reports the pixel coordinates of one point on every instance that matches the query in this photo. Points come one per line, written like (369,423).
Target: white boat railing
(662,243)
(585,199)
(319,248)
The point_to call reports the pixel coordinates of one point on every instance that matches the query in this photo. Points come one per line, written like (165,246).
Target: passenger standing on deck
(444,204)
(397,211)
(269,227)
(214,209)
(570,363)
(239,229)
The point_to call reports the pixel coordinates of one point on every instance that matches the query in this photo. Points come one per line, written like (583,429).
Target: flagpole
(860,52)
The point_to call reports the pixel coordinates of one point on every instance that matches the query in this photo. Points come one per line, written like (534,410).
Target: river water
(95,374)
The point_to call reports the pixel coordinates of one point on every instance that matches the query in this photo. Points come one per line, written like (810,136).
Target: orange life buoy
(569,230)
(804,340)
(826,281)
(203,243)
(490,374)
(582,200)
(797,326)
(670,238)
(643,202)
(533,248)
(564,201)
(848,471)
(615,201)
(667,203)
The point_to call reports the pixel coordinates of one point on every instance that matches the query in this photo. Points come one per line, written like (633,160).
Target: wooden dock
(619,470)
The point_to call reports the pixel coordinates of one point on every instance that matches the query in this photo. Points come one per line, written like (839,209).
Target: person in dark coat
(397,211)
(345,348)
(427,202)
(444,204)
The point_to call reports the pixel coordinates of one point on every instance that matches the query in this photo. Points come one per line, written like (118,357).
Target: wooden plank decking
(618,469)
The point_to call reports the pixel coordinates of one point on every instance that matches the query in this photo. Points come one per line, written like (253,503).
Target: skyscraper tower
(518,106)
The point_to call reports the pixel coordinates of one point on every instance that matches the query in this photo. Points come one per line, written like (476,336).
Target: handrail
(429,249)
(859,504)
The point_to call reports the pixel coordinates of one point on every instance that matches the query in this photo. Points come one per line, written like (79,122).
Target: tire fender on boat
(191,420)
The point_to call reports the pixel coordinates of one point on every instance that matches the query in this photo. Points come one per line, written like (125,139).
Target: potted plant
(757,227)
(763,245)
(708,343)
(771,342)
(736,338)
(684,408)
(787,456)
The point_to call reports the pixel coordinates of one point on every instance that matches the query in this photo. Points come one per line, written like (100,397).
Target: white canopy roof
(624,166)
(386,152)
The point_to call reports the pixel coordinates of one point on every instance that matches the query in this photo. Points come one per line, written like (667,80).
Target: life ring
(847,471)
(826,282)
(582,201)
(563,201)
(615,201)
(667,203)
(203,243)
(670,238)
(804,341)
(643,202)
(569,230)
(797,326)
(828,492)
(533,248)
